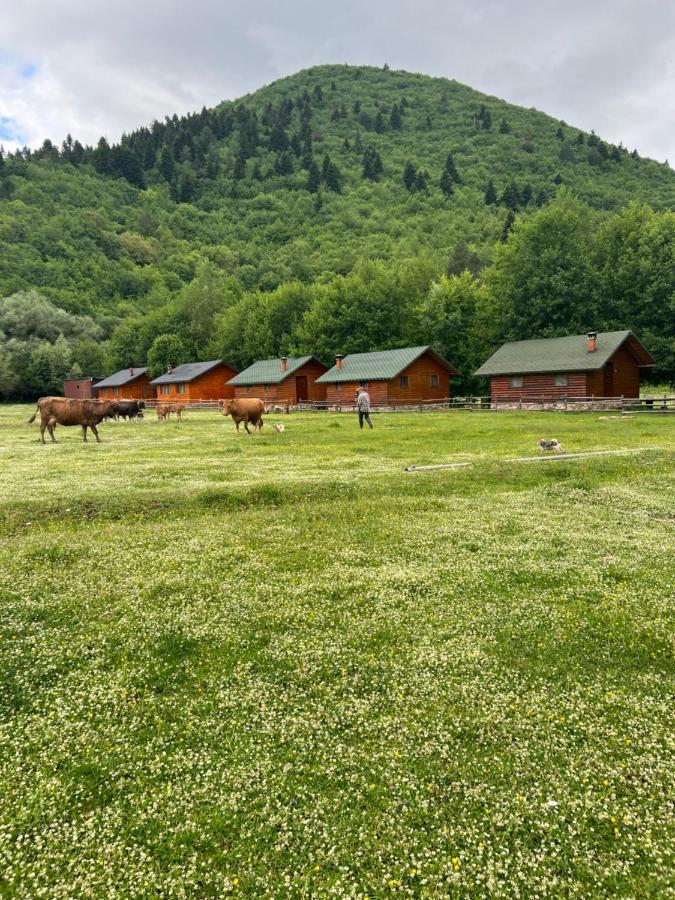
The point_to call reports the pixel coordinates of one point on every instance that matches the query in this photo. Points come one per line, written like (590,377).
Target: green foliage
(118,233)
(166,350)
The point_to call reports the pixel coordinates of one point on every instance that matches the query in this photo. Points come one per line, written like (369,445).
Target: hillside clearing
(278,666)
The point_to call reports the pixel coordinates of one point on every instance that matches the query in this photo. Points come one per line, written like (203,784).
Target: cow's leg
(43,425)
(95,430)
(248,430)
(50,428)
(84,433)
(178,414)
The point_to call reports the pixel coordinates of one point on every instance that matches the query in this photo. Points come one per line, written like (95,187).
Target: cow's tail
(33,417)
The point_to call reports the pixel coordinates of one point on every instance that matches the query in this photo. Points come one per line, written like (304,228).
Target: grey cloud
(107,68)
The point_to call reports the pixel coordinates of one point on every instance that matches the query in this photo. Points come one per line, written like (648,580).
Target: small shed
(191,382)
(409,375)
(80,388)
(288,380)
(597,364)
(132,383)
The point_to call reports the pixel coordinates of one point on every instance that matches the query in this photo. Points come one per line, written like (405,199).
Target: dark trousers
(366,416)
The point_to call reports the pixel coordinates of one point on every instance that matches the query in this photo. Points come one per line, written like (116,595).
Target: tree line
(559,271)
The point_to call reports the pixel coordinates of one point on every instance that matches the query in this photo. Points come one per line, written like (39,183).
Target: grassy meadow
(279,666)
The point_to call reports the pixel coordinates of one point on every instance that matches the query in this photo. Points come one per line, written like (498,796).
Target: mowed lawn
(279,666)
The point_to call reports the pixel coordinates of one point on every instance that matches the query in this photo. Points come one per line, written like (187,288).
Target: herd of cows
(90,413)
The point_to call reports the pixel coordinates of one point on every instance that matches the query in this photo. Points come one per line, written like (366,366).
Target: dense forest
(341,209)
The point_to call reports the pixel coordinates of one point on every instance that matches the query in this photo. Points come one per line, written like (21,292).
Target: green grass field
(279,666)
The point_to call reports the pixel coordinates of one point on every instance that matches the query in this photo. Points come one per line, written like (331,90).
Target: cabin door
(301,388)
(608,379)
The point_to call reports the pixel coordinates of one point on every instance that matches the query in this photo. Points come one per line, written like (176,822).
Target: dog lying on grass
(278,427)
(552,446)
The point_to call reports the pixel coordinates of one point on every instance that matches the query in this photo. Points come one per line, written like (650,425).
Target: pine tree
(395,118)
(541,198)
(446,183)
(296,145)
(504,127)
(409,173)
(558,179)
(103,158)
(508,225)
(379,123)
(346,146)
(167,166)
(333,178)
(526,194)
(580,139)
(560,134)
(451,169)
(356,109)
(318,94)
(239,171)
(422,181)
(510,198)
(372,164)
(283,164)
(313,178)
(490,194)
(278,138)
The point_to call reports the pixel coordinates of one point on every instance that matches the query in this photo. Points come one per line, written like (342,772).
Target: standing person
(362,401)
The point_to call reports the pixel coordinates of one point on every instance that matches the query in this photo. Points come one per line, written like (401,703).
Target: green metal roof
(124,376)
(563,354)
(379,366)
(269,371)
(186,372)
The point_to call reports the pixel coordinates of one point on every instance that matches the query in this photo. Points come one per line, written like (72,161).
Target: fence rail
(651,404)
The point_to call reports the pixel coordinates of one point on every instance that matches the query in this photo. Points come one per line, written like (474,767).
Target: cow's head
(227,407)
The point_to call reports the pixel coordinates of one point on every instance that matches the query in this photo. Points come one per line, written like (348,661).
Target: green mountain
(228,230)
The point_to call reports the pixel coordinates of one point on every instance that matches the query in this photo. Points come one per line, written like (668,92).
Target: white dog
(278,427)
(552,445)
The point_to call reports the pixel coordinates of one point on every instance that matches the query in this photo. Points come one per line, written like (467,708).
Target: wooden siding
(209,386)
(537,386)
(286,393)
(419,388)
(344,392)
(138,389)
(625,382)
(625,376)
(79,389)
(419,382)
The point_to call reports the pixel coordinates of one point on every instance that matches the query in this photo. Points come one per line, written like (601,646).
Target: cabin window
(266,387)
(116,392)
(434,380)
(180,388)
(403,381)
(165,388)
(249,388)
(561,381)
(516,381)
(338,386)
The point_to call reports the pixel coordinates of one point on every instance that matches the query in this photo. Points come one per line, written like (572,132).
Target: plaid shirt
(363,401)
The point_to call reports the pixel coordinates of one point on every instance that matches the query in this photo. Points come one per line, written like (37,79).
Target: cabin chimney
(169,369)
(338,361)
(284,363)
(592,341)
(131,370)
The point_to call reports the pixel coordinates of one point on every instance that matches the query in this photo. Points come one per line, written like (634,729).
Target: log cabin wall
(417,384)
(535,387)
(138,389)
(625,380)
(209,386)
(343,393)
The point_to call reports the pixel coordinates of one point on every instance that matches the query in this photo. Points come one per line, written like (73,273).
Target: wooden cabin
(597,364)
(131,384)
(288,380)
(410,375)
(80,388)
(191,382)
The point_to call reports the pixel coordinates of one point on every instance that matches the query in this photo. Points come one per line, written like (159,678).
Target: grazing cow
(246,410)
(129,409)
(61,411)
(164,410)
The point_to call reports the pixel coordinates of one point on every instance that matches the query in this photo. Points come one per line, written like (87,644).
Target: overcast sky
(92,68)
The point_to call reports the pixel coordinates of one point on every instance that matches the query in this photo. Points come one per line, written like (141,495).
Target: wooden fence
(655,404)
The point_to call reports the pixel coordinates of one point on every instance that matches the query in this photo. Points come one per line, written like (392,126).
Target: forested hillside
(340,209)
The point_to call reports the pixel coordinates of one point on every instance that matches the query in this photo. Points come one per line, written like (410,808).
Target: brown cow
(247,409)
(62,411)
(164,410)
